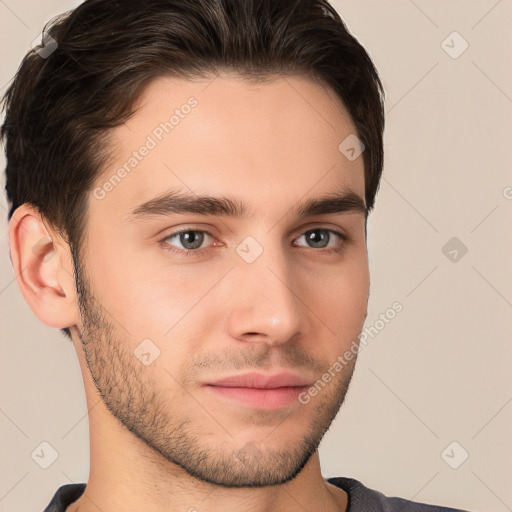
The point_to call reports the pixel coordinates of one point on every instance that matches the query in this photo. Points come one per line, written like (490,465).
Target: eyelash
(195,252)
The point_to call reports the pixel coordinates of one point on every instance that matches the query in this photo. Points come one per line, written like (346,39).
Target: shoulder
(363,499)
(64,496)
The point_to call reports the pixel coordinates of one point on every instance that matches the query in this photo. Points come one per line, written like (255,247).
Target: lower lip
(266,399)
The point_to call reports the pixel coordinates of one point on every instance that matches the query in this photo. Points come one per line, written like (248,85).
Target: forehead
(270,140)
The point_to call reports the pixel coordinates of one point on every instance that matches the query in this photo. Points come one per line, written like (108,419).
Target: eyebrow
(176,202)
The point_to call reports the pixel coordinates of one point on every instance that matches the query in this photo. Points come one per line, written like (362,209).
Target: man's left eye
(320,238)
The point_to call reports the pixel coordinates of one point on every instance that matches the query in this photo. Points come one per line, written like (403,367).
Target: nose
(265,306)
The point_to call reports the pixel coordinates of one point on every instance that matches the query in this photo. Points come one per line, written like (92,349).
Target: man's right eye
(186,241)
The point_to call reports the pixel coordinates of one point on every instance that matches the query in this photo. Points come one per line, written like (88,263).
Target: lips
(262,381)
(260,391)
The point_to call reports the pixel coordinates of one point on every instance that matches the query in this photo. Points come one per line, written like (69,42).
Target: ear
(44,268)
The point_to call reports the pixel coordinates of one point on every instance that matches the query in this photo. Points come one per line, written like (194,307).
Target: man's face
(277,290)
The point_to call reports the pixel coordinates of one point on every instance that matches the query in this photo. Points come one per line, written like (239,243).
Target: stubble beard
(130,393)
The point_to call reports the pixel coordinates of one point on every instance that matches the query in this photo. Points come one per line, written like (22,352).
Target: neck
(137,478)
(119,496)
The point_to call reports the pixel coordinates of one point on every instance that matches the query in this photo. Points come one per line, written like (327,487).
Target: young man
(189,184)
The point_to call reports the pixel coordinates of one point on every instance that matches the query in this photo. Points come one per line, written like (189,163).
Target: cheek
(157,302)
(131,293)
(339,297)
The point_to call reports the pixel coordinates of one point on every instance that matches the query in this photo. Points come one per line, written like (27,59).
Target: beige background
(439,372)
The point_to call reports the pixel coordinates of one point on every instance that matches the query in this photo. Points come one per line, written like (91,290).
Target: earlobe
(43,268)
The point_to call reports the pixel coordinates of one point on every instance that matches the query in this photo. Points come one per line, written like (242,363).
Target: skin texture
(160,440)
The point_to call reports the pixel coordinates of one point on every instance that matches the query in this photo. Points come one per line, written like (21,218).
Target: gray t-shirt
(360,499)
